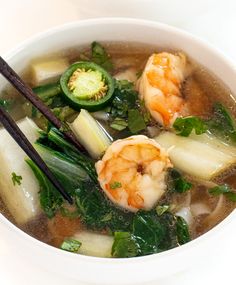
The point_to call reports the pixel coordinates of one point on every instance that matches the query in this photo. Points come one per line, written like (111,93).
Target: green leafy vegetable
(115,185)
(176,182)
(63,113)
(124,245)
(150,234)
(100,56)
(66,170)
(71,245)
(69,214)
(119,124)
(127,109)
(6,104)
(56,138)
(184,126)
(16,179)
(222,123)
(50,199)
(125,98)
(136,121)
(161,209)
(97,212)
(225,190)
(47,92)
(182,231)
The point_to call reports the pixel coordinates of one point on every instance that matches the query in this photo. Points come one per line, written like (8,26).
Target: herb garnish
(184,126)
(161,209)
(176,182)
(71,245)
(150,234)
(16,179)
(126,108)
(115,185)
(136,121)
(225,190)
(119,124)
(124,245)
(100,56)
(5,103)
(222,123)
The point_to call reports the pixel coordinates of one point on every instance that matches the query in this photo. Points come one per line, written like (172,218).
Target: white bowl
(135,270)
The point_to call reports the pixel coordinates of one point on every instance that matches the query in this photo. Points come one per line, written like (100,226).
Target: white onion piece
(94,244)
(90,134)
(21,200)
(203,158)
(49,70)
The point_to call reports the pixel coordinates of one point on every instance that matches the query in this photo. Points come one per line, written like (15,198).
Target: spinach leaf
(124,245)
(100,56)
(50,199)
(136,121)
(176,182)
(150,234)
(225,190)
(148,231)
(97,212)
(222,123)
(184,126)
(182,231)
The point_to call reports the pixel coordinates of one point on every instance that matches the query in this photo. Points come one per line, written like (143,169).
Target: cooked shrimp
(159,86)
(132,172)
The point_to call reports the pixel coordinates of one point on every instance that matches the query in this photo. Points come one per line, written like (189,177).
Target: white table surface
(214,21)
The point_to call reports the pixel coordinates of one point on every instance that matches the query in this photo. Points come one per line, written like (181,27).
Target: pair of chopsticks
(20,138)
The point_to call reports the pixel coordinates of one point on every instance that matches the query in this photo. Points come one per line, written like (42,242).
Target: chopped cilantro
(118,124)
(222,124)
(100,56)
(136,121)
(225,190)
(5,103)
(115,185)
(124,245)
(16,179)
(161,209)
(176,182)
(71,245)
(184,126)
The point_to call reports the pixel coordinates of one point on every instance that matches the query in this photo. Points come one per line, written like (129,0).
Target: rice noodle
(186,214)
(198,209)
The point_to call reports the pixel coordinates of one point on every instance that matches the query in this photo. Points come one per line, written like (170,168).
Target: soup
(156,166)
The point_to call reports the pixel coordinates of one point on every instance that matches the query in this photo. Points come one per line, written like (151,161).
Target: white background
(214,21)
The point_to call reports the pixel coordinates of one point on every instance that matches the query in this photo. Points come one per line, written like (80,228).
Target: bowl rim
(142,259)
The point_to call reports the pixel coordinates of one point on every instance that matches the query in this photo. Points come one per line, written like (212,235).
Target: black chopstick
(23,142)
(27,92)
